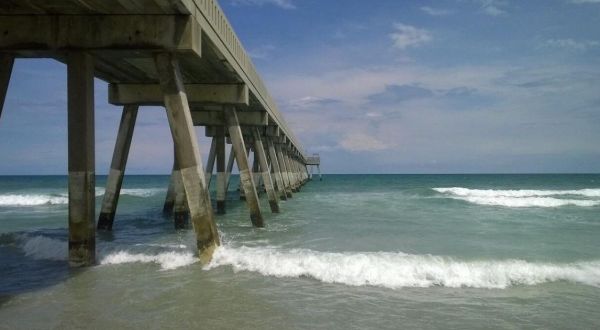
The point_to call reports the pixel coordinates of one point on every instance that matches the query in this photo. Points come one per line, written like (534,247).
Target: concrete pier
(180,54)
(246,179)
(117,167)
(82,175)
(187,154)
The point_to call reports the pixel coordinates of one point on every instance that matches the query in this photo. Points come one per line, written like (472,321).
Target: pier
(180,54)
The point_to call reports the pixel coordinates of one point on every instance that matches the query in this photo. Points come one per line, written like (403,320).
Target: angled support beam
(259,151)
(188,155)
(82,176)
(6,65)
(117,168)
(284,171)
(276,169)
(145,94)
(221,189)
(230,162)
(247,182)
(210,163)
(49,33)
(256,170)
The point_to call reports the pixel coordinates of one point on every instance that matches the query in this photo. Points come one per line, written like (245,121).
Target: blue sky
(449,86)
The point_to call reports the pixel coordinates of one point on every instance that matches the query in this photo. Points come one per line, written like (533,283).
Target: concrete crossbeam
(149,94)
(43,33)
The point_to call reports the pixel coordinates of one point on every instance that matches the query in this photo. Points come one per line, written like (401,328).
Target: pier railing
(214,23)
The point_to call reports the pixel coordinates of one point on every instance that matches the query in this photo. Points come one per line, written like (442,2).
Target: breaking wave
(399,270)
(524,198)
(63,198)
(32,200)
(382,269)
(168,256)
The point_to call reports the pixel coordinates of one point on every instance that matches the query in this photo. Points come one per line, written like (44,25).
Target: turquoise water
(351,251)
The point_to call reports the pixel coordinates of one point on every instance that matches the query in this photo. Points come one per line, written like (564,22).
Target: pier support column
(319,172)
(180,209)
(210,164)
(247,182)
(276,169)
(256,170)
(288,164)
(284,171)
(187,155)
(220,152)
(6,65)
(170,198)
(259,151)
(230,161)
(82,180)
(117,167)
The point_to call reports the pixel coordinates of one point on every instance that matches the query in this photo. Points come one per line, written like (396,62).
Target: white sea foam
(166,260)
(46,248)
(137,192)
(458,191)
(32,200)
(398,270)
(524,198)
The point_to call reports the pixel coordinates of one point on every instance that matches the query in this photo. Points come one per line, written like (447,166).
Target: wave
(166,260)
(63,198)
(32,200)
(523,198)
(458,191)
(136,192)
(45,248)
(399,270)
(382,269)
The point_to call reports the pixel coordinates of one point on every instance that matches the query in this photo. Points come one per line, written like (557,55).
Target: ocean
(348,252)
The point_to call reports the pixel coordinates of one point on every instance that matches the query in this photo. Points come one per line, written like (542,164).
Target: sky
(382,86)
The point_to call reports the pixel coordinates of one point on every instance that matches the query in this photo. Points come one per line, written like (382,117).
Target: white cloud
(436,11)
(406,36)
(572,44)
(493,7)
(361,142)
(285,4)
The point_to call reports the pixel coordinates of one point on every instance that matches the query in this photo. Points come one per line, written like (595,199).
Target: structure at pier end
(180,54)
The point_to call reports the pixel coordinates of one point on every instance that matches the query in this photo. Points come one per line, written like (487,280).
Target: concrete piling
(82,176)
(230,162)
(187,154)
(276,170)
(284,171)
(117,168)
(220,153)
(246,180)
(6,65)
(259,151)
(210,163)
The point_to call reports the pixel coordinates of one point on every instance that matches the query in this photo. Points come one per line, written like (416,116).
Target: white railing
(214,15)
